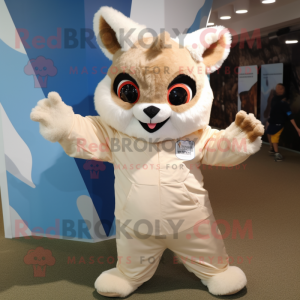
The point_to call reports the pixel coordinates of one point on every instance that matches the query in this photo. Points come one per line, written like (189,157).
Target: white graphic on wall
(18,157)
(17,222)
(8,32)
(88,212)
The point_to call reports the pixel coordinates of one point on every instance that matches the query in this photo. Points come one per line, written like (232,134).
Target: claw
(249,124)
(240,116)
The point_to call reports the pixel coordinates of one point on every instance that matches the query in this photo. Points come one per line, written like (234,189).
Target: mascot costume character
(154,108)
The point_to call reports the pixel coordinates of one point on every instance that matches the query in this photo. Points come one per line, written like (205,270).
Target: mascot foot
(112,283)
(227,283)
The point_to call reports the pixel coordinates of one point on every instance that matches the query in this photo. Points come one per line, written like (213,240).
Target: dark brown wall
(224,82)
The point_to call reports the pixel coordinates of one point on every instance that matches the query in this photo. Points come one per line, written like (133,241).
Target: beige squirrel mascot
(154,107)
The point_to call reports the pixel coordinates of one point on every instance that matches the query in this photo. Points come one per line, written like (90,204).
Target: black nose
(151,111)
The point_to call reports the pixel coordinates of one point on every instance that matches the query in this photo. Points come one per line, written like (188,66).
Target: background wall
(41,186)
(225,82)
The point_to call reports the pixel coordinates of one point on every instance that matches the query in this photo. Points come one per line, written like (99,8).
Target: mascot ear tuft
(209,45)
(159,43)
(110,28)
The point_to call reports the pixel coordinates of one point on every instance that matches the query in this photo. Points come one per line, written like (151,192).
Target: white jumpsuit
(160,199)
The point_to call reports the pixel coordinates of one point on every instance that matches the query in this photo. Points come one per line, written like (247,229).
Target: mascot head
(157,87)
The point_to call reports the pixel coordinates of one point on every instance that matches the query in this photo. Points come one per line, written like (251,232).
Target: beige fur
(54,116)
(250,125)
(214,53)
(108,37)
(154,63)
(154,73)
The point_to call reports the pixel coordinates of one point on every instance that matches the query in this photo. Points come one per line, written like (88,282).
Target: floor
(261,192)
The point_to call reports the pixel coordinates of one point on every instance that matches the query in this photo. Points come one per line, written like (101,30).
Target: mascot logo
(39,258)
(94,167)
(41,68)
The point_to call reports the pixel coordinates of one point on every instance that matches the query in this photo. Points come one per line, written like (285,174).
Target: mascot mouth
(152,127)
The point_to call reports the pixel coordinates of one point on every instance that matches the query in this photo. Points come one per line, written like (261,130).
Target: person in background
(279,114)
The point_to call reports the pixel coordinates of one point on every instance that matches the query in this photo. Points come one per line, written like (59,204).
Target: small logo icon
(94,167)
(40,68)
(39,258)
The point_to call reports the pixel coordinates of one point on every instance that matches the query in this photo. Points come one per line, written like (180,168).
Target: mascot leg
(138,259)
(202,251)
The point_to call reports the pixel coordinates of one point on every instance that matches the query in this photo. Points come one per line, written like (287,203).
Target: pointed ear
(110,28)
(218,50)
(209,45)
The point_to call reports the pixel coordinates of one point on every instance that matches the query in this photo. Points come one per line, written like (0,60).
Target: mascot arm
(235,144)
(88,139)
(81,137)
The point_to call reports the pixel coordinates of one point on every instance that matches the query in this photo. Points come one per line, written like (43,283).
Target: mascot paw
(227,283)
(250,125)
(111,283)
(54,116)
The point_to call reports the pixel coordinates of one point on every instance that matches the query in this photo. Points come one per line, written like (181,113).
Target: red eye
(128,91)
(179,94)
